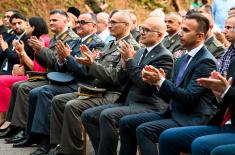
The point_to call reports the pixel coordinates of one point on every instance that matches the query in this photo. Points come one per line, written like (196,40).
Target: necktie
(180,74)
(227,116)
(182,69)
(143,56)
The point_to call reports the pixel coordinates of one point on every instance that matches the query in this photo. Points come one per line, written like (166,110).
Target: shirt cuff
(222,96)
(160,82)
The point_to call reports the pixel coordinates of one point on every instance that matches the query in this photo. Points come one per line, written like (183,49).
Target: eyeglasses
(112,22)
(6,16)
(83,22)
(146,30)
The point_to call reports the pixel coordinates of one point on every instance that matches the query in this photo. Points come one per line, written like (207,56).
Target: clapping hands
(152,75)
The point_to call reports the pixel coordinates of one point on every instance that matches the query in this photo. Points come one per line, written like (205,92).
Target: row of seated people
(50,114)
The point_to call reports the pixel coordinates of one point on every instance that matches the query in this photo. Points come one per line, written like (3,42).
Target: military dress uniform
(46,58)
(173,45)
(40,98)
(67,108)
(215,47)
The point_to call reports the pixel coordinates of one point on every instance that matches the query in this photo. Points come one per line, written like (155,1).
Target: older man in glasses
(106,70)
(102,122)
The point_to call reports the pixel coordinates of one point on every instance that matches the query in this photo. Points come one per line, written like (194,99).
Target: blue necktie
(180,74)
(182,69)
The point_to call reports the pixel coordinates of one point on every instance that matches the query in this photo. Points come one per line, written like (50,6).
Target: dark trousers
(143,130)
(228,149)
(198,140)
(18,109)
(102,125)
(40,100)
(14,90)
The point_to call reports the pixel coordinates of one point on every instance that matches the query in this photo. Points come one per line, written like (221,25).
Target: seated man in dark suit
(102,122)
(189,103)
(7,49)
(186,139)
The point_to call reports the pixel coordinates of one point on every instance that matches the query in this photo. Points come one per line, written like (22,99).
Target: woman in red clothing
(37,27)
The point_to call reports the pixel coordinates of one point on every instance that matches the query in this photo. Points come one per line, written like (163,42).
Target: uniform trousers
(102,124)
(39,111)
(66,125)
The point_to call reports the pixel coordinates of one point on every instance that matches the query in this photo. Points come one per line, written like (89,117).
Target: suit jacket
(140,93)
(229,99)
(107,70)
(191,102)
(11,57)
(215,47)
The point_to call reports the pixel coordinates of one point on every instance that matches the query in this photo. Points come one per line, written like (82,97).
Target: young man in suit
(102,122)
(191,139)
(189,103)
(7,49)
(106,70)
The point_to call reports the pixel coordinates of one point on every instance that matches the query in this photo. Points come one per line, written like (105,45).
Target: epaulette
(72,34)
(132,41)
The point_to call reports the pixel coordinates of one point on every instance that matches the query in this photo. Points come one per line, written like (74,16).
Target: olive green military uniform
(215,47)
(66,125)
(173,45)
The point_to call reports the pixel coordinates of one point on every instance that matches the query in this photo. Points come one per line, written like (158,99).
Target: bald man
(211,43)
(102,122)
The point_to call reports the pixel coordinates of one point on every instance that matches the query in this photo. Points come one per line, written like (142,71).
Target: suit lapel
(192,63)
(152,54)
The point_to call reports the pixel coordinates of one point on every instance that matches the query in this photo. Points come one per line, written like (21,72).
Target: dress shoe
(41,150)
(54,150)
(16,138)
(9,132)
(26,142)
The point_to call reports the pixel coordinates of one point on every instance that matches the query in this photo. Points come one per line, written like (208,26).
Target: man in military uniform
(211,43)
(40,98)
(47,57)
(67,108)
(171,41)
(134,31)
